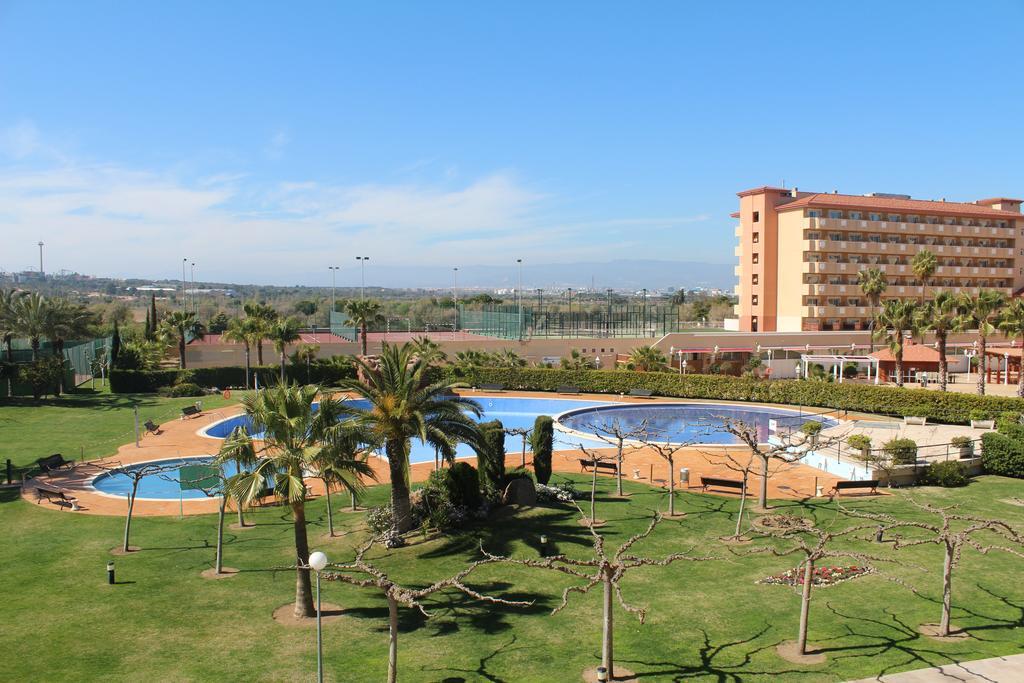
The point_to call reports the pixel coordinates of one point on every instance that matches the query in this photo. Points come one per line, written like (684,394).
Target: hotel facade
(800,254)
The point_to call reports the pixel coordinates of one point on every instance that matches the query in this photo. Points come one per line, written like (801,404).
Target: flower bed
(821,576)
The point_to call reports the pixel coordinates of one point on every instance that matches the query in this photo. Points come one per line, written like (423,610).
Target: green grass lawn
(708,621)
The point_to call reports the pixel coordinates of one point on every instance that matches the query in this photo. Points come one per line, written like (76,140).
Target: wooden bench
(865,484)
(492,387)
(567,389)
(642,393)
(191,411)
(719,482)
(597,464)
(52,463)
(56,496)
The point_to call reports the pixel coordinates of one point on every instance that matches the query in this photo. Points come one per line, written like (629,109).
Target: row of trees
(32,316)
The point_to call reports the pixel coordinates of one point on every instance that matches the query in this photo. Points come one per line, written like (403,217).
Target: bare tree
(811,543)
(594,457)
(524,433)
(135,474)
(615,435)
(606,571)
(953,533)
(214,485)
(361,573)
(667,452)
(743,464)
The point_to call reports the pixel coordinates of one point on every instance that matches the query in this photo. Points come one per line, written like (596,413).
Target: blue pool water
(679,422)
(161,486)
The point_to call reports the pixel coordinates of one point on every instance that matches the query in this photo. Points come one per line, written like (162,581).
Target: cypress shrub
(461,482)
(542,443)
(491,458)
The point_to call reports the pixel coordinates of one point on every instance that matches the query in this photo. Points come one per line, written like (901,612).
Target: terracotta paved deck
(180,438)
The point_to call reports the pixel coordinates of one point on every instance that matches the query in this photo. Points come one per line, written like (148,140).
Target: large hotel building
(800,253)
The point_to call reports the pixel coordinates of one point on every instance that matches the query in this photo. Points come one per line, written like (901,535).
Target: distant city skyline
(267,143)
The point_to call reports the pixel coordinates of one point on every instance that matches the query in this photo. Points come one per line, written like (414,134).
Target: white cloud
(277,145)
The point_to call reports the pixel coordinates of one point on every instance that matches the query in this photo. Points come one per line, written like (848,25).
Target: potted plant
(862,443)
(901,451)
(916,417)
(964,444)
(811,429)
(981,420)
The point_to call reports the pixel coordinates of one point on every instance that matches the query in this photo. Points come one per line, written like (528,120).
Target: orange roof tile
(921,206)
(912,353)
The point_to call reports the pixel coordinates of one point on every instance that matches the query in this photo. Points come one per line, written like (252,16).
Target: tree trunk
(947,589)
(128,519)
(593,489)
(362,332)
(303,587)
(982,363)
(743,500)
(943,363)
(330,514)
(762,491)
(241,519)
(282,366)
(181,350)
(805,607)
(523,463)
(392,640)
(871,330)
(618,469)
(899,360)
(607,643)
(259,353)
(671,489)
(400,506)
(247,372)
(219,564)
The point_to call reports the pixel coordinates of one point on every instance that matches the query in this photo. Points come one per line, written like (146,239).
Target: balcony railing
(973,231)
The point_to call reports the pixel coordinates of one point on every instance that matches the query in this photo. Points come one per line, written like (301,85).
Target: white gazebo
(834,363)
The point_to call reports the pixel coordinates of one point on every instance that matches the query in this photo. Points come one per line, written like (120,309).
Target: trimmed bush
(948,474)
(542,443)
(811,428)
(901,451)
(225,377)
(491,459)
(937,406)
(182,390)
(461,481)
(859,442)
(1002,455)
(1013,430)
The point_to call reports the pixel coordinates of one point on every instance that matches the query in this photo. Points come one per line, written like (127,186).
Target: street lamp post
(362,275)
(317,562)
(455,299)
(192,276)
(519,297)
(643,322)
(42,273)
(572,323)
(334,280)
(608,318)
(183,295)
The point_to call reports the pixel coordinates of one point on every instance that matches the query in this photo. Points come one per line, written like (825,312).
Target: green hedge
(950,408)
(150,381)
(1003,455)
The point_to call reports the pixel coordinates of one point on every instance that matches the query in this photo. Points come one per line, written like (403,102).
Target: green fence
(338,326)
(532,322)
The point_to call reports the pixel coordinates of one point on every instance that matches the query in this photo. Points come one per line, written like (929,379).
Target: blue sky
(266,141)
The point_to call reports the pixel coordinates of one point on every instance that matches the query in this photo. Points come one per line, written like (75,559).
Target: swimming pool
(156,487)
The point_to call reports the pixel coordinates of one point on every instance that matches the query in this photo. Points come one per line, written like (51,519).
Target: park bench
(52,463)
(567,389)
(56,496)
(642,393)
(492,387)
(705,482)
(846,485)
(152,427)
(191,411)
(597,464)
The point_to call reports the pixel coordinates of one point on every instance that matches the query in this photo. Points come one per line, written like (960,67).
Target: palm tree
(404,406)
(362,314)
(646,359)
(872,285)
(1012,324)
(284,331)
(507,358)
(942,315)
(897,318)
(306,353)
(576,361)
(178,325)
(263,317)
(245,331)
(985,309)
(429,351)
(343,462)
(296,437)
(924,264)
(8,320)
(31,319)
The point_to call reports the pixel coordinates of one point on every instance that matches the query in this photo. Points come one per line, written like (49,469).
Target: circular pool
(687,422)
(162,486)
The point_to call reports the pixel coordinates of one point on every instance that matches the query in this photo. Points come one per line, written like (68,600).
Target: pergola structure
(1006,366)
(835,363)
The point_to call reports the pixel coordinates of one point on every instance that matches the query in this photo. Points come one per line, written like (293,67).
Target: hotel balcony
(908,250)
(960,231)
(737,250)
(831,267)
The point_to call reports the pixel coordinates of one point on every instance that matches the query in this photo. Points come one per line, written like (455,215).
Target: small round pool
(158,486)
(688,422)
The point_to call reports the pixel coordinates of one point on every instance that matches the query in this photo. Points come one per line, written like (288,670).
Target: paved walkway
(995,670)
(181,438)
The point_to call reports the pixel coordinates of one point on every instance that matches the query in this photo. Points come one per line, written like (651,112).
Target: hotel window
(876,238)
(814,235)
(754,258)
(756,237)
(1001,224)
(813,214)
(894,217)
(874,216)
(812,301)
(853,302)
(757,216)
(753,300)
(836,236)
(855,215)
(913,219)
(835,214)
(753,279)
(834,302)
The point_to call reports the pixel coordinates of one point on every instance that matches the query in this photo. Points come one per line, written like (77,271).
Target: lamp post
(608,320)
(362,275)
(334,280)
(644,313)
(682,364)
(183,295)
(317,562)
(42,273)
(192,277)
(572,324)
(519,297)
(455,299)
